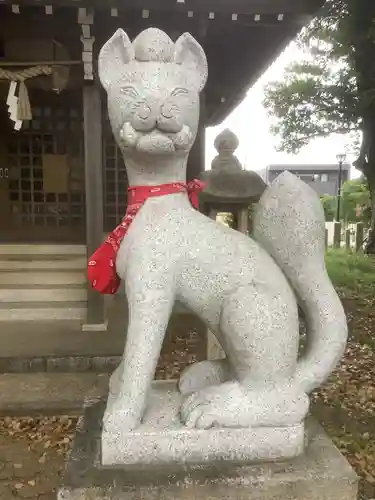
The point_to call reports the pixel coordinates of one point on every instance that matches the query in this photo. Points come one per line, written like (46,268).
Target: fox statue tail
(289,224)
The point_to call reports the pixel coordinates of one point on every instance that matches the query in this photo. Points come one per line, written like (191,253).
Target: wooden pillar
(244,221)
(348,238)
(197,157)
(213,214)
(92,116)
(337,235)
(359,236)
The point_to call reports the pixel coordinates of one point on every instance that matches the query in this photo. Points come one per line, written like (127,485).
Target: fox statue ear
(113,55)
(189,53)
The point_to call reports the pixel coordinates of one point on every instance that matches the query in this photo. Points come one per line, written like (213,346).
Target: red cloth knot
(101,268)
(194,187)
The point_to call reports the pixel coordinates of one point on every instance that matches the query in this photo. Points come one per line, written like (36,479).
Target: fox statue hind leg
(289,224)
(261,336)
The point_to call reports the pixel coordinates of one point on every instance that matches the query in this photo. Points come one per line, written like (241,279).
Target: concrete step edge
(48,287)
(17,271)
(42,249)
(42,314)
(43,305)
(40,266)
(29,258)
(46,295)
(42,279)
(71,363)
(49,394)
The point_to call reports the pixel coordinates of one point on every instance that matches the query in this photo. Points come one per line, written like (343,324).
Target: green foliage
(329,205)
(311,102)
(355,194)
(355,203)
(319,97)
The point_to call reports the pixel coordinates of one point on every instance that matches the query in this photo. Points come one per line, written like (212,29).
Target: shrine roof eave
(247,74)
(217,6)
(251,69)
(241,37)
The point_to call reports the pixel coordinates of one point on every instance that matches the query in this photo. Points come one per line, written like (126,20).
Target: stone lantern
(228,197)
(230,189)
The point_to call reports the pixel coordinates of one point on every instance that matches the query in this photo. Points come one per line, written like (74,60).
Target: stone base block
(321,473)
(162,438)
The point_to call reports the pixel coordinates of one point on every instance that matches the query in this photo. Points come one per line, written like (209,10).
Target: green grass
(351,273)
(345,405)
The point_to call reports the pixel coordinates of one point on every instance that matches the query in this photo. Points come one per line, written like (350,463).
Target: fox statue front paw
(119,417)
(232,405)
(215,406)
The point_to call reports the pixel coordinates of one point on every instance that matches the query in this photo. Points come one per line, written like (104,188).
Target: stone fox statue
(245,289)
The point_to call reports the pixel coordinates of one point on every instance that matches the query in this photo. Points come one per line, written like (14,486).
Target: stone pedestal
(163,439)
(321,473)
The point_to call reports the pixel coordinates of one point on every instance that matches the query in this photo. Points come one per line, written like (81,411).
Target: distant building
(324,179)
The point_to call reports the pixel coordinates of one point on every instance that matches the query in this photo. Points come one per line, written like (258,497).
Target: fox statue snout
(151,113)
(156,128)
(156,124)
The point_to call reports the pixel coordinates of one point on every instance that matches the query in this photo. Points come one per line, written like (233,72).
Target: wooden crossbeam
(86,20)
(216,6)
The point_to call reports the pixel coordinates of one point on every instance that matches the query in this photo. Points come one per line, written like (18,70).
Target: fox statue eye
(179,91)
(129,91)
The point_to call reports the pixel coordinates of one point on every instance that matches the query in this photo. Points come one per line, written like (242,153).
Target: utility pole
(340,158)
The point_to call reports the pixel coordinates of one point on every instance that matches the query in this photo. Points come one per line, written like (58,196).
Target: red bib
(102,265)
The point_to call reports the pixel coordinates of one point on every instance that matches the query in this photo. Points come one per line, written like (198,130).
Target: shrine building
(62,179)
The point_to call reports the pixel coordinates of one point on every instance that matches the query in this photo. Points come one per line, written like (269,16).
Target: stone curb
(44,394)
(56,364)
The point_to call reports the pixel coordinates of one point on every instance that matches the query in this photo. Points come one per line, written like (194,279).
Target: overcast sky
(249,121)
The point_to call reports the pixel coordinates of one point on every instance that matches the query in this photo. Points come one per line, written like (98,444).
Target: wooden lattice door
(43,167)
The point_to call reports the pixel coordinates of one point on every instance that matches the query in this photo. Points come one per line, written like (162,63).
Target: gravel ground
(32,456)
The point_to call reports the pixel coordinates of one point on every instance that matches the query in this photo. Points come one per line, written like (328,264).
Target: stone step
(32,277)
(50,295)
(76,363)
(42,263)
(37,249)
(42,311)
(59,346)
(49,393)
